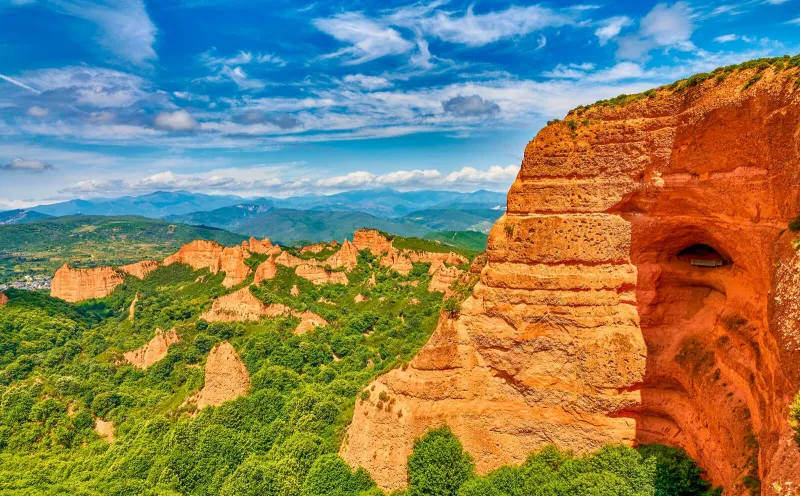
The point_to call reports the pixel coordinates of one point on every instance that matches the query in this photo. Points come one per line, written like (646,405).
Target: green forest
(61,369)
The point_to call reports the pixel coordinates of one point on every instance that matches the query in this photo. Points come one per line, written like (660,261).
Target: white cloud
(23,165)
(726,38)
(368,39)
(185,95)
(180,120)
(125,27)
(236,75)
(267,179)
(37,111)
(775,2)
(481,29)
(18,83)
(541,41)
(668,25)
(796,20)
(368,82)
(242,58)
(611,27)
(665,26)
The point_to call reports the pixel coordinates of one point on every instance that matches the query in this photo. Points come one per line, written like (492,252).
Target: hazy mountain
(287,226)
(153,205)
(452,219)
(20,216)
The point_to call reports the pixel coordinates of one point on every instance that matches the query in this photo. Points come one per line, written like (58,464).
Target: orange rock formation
(319,275)
(3,299)
(202,254)
(75,285)
(260,247)
(398,261)
(104,429)
(592,324)
(444,278)
(266,270)
(288,260)
(141,269)
(372,240)
(226,377)
(153,351)
(243,306)
(346,257)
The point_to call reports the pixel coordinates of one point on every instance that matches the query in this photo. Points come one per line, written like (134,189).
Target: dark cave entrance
(702,255)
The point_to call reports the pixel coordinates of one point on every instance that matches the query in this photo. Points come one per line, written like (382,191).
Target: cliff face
(598,318)
(202,254)
(74,285)
(141,269)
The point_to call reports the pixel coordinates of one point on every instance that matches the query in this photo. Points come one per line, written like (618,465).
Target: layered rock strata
(593,324)
(75,285)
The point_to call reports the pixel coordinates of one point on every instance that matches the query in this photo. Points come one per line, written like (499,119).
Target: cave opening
(702,255)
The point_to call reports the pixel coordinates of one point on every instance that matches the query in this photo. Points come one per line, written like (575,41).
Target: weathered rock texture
(346,257)
(226,377)
(202,254)
(587,329)
(397,261)
(266,270)
(141,269)
(372,240)
(75,285)
(444,278)
(319,275)
(243,306)
(152,351)
(261,247)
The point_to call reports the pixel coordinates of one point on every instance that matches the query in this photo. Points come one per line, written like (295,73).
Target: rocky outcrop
(444,278)
(359,298)
(243,306)
(261,247)
(226,377)
(320,275)
(478,264)
(3,299)
(397,261)
(295,290)
(450,258)
(309,321)
(141,269)
(346,257)
(266,270)
(152,351)
(372,240)
(587,327)
(288,260)
(202,254)
(75,285)
(314,248)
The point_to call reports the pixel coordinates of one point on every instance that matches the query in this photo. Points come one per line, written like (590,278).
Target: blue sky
(113,97)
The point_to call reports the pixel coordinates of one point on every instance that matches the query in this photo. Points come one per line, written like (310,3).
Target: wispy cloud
(368,39)
(665,26)
(124,27)
(611,27)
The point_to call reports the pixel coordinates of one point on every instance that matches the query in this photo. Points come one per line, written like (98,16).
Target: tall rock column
(548,348)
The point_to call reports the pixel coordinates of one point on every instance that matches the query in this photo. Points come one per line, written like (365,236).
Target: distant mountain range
(300,218)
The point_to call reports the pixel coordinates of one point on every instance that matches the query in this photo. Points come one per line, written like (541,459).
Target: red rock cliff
(209,255)
(74,285)
(597,318)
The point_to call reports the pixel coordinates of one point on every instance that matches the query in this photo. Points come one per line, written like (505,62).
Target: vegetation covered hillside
(42,246)
(77,418)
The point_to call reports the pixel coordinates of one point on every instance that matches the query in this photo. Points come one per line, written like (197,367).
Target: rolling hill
(42,246)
